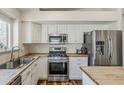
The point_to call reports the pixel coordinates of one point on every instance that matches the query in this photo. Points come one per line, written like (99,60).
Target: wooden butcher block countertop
(76,55)
(113,75)
(36,54)
(46,54)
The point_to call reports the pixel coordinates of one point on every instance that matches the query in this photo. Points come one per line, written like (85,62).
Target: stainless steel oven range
(58,64)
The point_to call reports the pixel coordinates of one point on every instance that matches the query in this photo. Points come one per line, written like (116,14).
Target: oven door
(58,68)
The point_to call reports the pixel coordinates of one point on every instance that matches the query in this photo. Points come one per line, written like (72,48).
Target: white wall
(74,16)
(36,15)
(15,14)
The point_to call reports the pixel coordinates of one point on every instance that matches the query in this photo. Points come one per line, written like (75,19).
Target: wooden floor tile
(70,82)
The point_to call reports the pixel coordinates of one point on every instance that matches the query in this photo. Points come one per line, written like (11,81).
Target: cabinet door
(27,81)
(43,68)
(44,35)
(52,28)
(71,34)
(39,33)
(85,61)
(27,35)
(74,67)
(79,34)
(34,72)
(79,72)
(62,28)
(31,32)
(34,76)
(37,71)
(73,71)
(36,33)
(75,33)
(26,77)
(86,80)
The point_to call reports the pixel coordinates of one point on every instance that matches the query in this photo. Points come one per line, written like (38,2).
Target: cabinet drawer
(79,60)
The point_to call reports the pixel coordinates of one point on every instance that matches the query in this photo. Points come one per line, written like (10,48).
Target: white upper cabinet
(75,34)
(71,34)
(44,35)
(31,32)
(79,33)
(36,29)
(62,28)
(57,28)
(52,28)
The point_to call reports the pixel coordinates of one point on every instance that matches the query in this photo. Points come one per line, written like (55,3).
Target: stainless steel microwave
(58,39)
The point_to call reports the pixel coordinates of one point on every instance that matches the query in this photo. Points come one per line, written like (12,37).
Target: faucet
(12,51)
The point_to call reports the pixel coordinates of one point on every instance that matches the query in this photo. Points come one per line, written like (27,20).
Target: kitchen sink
(24,60)
(17,63)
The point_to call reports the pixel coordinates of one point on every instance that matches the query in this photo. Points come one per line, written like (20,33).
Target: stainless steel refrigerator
(105,47)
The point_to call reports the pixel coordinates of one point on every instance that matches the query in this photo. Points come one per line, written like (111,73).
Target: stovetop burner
(57,54)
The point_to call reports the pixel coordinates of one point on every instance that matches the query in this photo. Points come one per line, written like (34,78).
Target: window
(6,33)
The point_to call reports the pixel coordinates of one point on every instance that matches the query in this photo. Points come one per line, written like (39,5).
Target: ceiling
(75,9)
(24,9)
(67,9)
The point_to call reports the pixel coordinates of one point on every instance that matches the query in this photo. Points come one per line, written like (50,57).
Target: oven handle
(58,62)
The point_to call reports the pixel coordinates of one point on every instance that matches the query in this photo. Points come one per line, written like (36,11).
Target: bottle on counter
(84,50)
(78,51)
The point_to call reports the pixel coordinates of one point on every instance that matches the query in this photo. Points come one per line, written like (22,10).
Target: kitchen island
(46,54)
(102,75)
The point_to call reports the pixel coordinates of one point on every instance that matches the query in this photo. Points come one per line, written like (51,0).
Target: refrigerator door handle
(111,51)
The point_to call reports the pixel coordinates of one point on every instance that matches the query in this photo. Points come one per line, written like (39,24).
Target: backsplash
(44,48)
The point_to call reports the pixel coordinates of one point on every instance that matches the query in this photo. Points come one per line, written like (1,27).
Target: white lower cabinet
(43,74)
(74,67)
(86,80)
(27,81)
(34,72)
(30,76)
(26,77)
